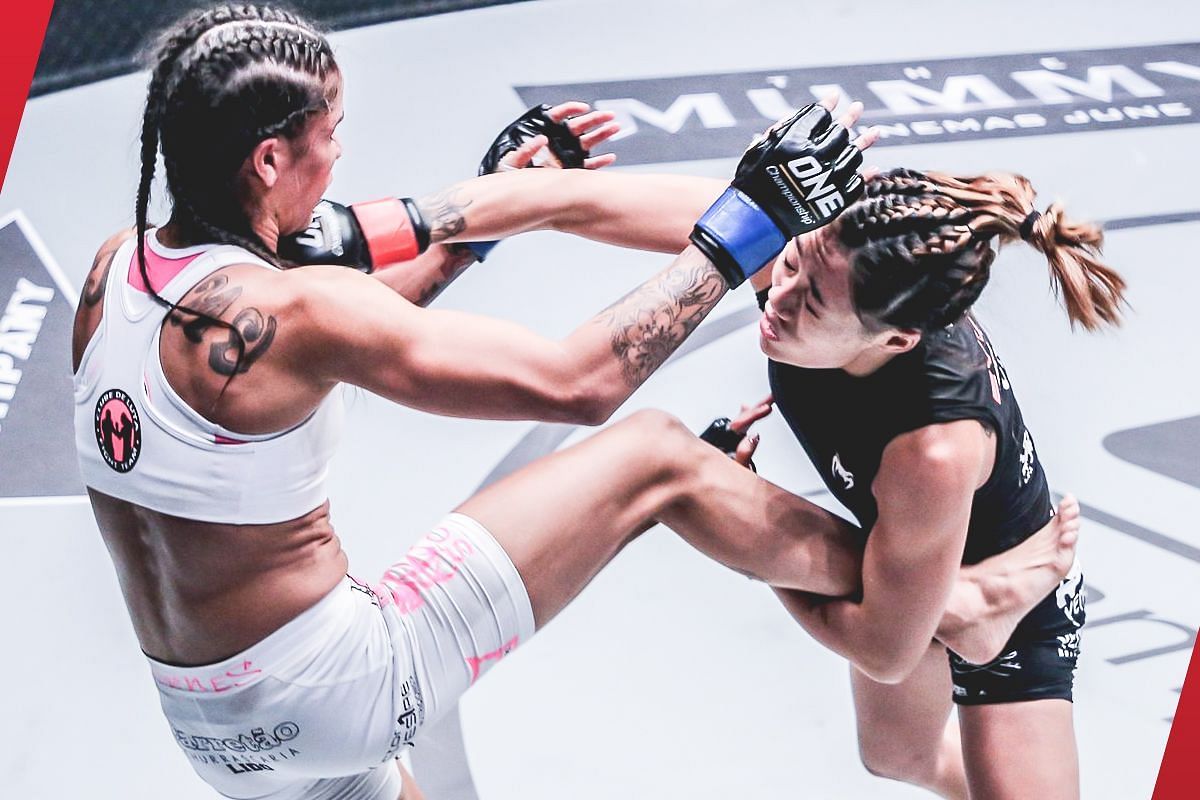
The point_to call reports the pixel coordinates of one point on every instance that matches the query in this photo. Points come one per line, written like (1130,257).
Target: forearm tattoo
(250,328)
(444,214)
(649,323)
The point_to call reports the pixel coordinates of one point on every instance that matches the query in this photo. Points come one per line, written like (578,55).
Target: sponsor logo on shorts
(216,682)
(118,430)
(412,717)
(432,561)
(245,753)
(255,741)
(1071,597)
(911,102)
(1068,645)
(248,766)
(1027,458)
(480,664)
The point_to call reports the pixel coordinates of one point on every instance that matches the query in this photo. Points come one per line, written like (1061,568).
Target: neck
(873,359)
(173,234)
(870,360)
(267,228)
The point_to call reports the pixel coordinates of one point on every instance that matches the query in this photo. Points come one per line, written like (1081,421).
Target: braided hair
(222,80)
(921,249)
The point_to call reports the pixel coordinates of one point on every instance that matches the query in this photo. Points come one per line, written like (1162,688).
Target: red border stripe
(21,37)
(1179,777)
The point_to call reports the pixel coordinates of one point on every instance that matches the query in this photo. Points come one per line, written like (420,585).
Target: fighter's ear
(266,159)
(901,340)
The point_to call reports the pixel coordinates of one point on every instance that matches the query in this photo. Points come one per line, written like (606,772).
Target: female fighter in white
(208,405)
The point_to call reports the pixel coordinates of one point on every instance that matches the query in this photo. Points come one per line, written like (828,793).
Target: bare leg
(409,790)
(906,731)
(1019,750)
(565,516)
(991,597)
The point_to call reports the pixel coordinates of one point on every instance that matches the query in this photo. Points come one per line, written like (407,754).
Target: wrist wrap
(737,237)
(393,228)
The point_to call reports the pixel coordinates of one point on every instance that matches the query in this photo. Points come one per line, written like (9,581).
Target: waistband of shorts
(295,640)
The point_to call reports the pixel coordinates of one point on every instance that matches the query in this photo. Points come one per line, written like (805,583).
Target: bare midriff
(200,592)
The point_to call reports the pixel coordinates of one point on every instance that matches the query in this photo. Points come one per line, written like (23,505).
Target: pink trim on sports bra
(162,270)
(219,439)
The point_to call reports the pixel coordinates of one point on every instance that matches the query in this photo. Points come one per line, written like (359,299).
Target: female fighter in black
(899,399)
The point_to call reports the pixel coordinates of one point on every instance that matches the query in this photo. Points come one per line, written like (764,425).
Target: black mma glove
(535,122)
(364,236)
(721,435)
(565,145)
(794,178)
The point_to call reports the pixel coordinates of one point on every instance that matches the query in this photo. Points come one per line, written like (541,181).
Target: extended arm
(350,328)
(926,482)
(462,365)
(646,212)
(343,326)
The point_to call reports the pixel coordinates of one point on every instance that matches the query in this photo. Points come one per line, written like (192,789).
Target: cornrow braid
(921,249)
(164,55)
(222,81)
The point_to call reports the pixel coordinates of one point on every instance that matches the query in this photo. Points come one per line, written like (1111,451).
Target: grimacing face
(809,319)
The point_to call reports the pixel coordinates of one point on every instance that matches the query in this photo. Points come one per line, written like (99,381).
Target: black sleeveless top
(845,422)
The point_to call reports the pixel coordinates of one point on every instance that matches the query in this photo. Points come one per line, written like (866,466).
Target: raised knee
(662,447)
(656,429)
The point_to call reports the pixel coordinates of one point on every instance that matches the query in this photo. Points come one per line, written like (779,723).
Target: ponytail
(921,248)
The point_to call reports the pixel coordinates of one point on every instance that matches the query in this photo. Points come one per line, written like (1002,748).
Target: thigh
(1019,750)
(903,724)
(1016,713)
(563,517)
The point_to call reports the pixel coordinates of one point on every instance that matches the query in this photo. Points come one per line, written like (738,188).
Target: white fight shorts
(321,708)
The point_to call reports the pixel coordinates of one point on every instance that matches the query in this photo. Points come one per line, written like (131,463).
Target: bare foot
(991,597)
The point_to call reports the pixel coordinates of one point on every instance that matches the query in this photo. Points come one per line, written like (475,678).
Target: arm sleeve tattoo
(648,324)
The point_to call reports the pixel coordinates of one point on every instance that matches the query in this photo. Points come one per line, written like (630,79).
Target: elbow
(583,400)
(585,406)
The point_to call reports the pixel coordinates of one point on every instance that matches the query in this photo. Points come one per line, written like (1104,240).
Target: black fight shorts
(1038,662)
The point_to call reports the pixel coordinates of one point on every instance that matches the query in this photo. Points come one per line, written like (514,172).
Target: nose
(787,289)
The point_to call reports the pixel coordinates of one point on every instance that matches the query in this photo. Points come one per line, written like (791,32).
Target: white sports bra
(139,441)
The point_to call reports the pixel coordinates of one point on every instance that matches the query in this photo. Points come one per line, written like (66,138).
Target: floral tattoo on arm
(649,323)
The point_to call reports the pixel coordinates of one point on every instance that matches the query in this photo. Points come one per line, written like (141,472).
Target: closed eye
(816,292)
